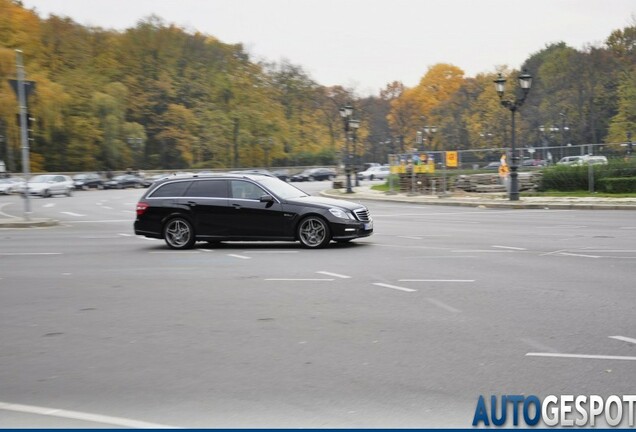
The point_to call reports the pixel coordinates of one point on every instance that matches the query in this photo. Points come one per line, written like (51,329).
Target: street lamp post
(430,130)
(354,125)
(346,113)
(525,82)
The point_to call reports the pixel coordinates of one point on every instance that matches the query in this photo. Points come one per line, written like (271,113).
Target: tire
(371,177)
(178,234)
(46,193)
(313,233)
(311,178)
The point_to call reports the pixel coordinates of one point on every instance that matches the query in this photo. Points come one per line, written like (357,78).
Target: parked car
(375,173)
(530,162)
(47,185)
(88,181)
(313,174)
(10,185)
(147,181)
(123,181)
(493,166)
(282,174)
(254,171)
(571,160)
(245,207)
(583,160)
(595,160)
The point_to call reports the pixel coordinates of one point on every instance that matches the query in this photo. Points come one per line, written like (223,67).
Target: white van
(571,160)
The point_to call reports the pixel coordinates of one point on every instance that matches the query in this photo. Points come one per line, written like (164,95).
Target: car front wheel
(178,234)
(313,232)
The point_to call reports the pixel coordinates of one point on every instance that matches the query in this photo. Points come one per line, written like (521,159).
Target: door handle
(192,203)
(237,206)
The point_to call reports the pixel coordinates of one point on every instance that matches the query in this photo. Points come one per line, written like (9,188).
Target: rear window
(170,190)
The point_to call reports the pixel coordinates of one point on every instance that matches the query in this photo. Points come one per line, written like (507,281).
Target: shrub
(617,184)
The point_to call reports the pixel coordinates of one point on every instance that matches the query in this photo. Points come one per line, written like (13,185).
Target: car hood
(324,202)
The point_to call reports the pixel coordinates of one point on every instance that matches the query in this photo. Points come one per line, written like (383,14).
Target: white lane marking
(174,252)
(380,284)
(77,415)
(611,250)
(125,235)
(443,305)
(579,255)
(239,256)
(73,214)
(410,237)
(103,221)
(29,253)
(510,247)
(49,205)
(273,252)
(624,339)
(436,280)
(299,280)
(480,251)
(106,207)
(326,273)
(581,356)
(552,253)
(5,214)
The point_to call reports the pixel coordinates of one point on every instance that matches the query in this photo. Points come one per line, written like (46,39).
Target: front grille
(362,215)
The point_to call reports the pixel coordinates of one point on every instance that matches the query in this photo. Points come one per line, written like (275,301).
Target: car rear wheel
(313,232)
(178,234)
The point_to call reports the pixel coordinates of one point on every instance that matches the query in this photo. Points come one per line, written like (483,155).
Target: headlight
(339,213)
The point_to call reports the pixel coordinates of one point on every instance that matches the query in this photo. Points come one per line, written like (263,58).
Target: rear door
(208,202)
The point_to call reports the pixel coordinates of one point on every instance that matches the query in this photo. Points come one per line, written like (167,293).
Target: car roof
(234,175)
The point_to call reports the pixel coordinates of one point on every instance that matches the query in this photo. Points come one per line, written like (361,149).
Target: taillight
(141,208)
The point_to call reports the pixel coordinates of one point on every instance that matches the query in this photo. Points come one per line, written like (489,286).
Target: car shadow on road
(246,245)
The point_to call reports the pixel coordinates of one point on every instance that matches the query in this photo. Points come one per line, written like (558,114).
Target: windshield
(41,179)
(281,189)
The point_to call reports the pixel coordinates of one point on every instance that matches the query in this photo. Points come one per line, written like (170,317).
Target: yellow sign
(451,159)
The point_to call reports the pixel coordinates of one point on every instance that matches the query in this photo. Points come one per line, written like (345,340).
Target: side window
(246,190)
(208,189)
(170,190)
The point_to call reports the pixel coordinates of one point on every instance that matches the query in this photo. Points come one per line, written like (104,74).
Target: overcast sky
(365,44)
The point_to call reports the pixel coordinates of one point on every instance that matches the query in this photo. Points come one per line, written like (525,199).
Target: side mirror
(266,199)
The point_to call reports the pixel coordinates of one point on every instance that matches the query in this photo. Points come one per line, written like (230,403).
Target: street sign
(451,159)
(29,87)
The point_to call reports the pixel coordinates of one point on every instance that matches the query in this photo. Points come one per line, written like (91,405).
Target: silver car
(47,185)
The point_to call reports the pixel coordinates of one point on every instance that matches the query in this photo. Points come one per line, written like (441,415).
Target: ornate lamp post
(430,131)
(525,82)
(346,113)
(354,125)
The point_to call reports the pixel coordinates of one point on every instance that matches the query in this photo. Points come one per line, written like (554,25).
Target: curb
(32,223)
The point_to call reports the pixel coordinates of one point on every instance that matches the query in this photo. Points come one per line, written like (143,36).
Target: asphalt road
(405,328)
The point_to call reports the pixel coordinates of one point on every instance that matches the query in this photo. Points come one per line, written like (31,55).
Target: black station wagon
(226,207)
